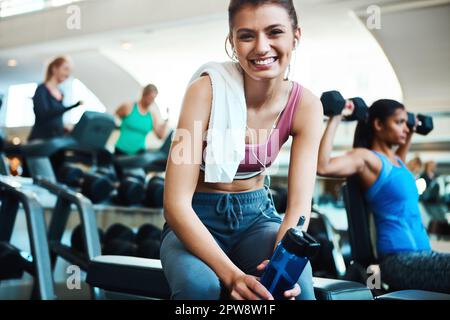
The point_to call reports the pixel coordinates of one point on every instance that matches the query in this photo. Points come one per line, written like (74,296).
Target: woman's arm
(160,125)
(124,110)
(181,180)
(342,166)
(403,150)
(42,105)
(306,131)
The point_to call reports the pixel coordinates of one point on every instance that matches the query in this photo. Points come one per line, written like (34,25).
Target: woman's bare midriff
(238,186)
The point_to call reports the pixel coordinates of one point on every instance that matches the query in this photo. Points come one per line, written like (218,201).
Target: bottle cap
(300,243)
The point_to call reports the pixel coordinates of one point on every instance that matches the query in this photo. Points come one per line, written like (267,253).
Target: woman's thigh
(420,271)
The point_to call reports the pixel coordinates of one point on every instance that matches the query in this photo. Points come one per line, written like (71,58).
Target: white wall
(110,83)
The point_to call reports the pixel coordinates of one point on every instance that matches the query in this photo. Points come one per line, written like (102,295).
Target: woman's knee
(189,278)
(196,288)
(193,280)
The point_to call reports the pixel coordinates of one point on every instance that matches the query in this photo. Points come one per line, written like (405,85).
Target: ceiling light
(16,141)
(12,63)
(126,45)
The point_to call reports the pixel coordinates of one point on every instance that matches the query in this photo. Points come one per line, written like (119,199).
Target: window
(19,110)
(76,91)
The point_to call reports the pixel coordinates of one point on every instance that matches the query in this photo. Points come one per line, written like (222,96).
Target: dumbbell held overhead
(334,104)
(424,124)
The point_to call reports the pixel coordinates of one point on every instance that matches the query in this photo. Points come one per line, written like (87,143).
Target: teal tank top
(134,130)
(394,200)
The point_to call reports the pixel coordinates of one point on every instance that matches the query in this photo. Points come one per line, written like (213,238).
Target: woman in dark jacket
(48,101)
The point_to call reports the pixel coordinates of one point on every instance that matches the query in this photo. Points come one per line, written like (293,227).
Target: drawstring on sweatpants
(226,206)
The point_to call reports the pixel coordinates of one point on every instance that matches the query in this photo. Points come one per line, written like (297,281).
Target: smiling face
(263,39)
(394,130)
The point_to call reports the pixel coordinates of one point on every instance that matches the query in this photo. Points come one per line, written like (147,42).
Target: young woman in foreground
(219,236)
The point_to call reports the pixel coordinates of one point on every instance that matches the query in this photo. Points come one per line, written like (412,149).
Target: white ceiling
(416,42)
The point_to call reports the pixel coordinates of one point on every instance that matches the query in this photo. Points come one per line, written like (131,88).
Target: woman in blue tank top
(378,158)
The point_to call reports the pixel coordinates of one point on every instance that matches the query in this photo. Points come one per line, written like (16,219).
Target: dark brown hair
(236,5)
(381,109)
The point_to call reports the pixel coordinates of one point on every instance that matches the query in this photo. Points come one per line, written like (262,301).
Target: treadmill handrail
(85,208)
(46,148)
(141,160)
(38,237)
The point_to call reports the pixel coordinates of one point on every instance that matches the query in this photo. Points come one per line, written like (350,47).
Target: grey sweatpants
(245,226)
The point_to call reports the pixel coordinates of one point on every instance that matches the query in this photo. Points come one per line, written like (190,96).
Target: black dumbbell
(121,232)
(148,241)
(120,248)
(334,103)
(149,249)
(96,187)
(77,239)
(119,241)
(70,175)
(154,193)
(425,123)
(108,172)
(131,191)
(361,110)
(148,231)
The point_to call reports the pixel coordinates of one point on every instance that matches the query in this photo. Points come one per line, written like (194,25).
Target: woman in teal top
(138,120)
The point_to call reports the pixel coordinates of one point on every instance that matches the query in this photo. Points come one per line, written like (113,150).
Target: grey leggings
(244,225)
(428,271)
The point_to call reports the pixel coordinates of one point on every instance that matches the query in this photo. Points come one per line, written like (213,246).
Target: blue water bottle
(287,263)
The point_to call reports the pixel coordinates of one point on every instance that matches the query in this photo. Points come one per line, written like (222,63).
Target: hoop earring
(233,56)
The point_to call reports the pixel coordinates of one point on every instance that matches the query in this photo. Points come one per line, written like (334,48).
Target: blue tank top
(394,200)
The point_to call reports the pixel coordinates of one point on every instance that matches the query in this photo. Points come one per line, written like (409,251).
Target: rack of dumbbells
(86,182)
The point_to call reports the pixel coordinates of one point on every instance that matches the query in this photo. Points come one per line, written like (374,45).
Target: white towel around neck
(225,139)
